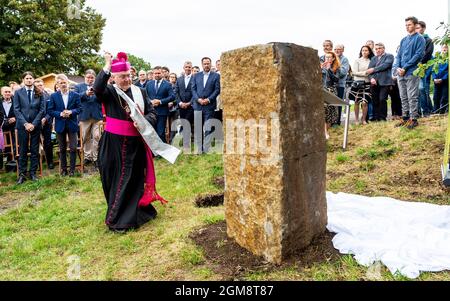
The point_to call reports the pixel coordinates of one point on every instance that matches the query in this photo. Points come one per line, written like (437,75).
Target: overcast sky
(171,32)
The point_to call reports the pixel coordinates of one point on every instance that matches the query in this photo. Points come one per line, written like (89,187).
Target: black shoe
(64,173)
(21,179)
(118,231)
(71,173)
(34,178)
(51,166)
(414,123)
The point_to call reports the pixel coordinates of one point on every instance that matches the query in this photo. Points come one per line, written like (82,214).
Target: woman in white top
(360,91)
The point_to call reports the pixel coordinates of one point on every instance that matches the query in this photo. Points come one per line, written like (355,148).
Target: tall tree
(46,36)
(139,63)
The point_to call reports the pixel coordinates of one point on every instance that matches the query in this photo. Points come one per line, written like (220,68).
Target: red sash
(127,128)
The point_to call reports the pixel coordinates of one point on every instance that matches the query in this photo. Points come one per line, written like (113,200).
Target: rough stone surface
(274,196)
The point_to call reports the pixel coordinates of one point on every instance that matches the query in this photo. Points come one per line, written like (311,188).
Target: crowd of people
(36,111)
(376,75)
(99,109)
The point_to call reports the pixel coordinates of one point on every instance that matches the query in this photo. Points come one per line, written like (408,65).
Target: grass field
(47,225)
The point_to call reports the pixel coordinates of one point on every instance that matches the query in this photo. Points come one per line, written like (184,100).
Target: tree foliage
(46,36)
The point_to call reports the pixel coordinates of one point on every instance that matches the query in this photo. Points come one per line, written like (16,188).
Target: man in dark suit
(161,94)
(142,81)
(90,117)
(65,106)
(425,104)
(47,125)
(29,108)
(205,89)
(9,123)
(380,75)
(183,94)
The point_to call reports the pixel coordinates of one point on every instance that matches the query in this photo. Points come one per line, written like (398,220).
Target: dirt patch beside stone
(233,262)
(219,182)
(209,200)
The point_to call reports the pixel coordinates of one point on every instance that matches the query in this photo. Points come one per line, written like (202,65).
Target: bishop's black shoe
(21,179)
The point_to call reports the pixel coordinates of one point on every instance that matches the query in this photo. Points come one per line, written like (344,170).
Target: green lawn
(51,221)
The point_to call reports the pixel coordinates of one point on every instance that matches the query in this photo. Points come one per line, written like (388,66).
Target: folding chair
(101,127)
(8,145)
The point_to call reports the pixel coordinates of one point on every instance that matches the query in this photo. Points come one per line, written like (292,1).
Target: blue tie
(29,95)
(157,86)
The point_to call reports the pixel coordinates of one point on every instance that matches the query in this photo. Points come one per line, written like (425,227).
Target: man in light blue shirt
(411,52)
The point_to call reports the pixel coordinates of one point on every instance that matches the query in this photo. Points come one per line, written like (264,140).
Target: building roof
(73,79)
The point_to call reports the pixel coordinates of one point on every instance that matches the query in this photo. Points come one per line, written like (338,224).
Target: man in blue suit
(65,106)
(183,96)
(183,93)
(161,94)
(205,89)
(142,81)
(90,117)
(29,108)
(380,76)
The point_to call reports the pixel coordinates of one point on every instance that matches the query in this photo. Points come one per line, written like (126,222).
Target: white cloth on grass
(407,237)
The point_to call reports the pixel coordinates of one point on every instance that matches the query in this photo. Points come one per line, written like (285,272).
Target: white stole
(148,133)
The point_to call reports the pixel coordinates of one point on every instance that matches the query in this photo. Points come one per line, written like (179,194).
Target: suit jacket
(91,108)
(26,112)
(165,94)
(56,106)
(210,91)
(46,114)
(2,115)
(6,127)
(383,69)
(183,93)
(143,86)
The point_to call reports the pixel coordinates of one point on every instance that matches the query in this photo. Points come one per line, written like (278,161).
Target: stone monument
(275,150)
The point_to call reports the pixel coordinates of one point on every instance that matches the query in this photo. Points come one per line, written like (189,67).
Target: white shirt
(205,78)
(65,98)
(187,78)
(359,69)
(7,106)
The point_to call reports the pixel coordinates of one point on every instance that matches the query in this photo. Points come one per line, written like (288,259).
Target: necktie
(29,95)
(379,60)
(157,86)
